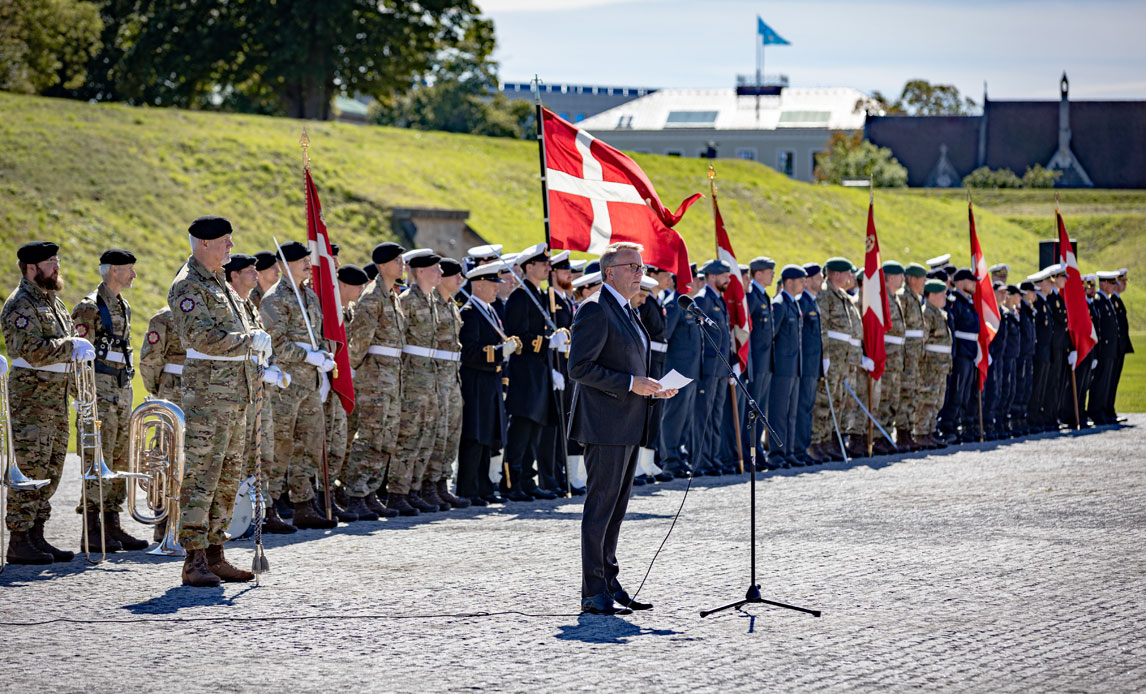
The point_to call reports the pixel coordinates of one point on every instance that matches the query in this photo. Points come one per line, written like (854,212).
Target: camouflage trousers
(335,438)
(170,388)
(449,414)
(890,391)
(417,427)
(114,409)
(38,408)
(215,447)
(908,389)
(267,439)
(932,390)
(823,430)
(853,415)
(298,435)
(373,445)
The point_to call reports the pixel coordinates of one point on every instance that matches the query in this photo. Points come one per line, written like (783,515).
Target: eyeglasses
(635,268)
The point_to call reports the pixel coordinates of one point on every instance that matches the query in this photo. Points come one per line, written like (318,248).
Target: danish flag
(598,196)
(739,319)
(1078,321)
(875,307)
(985,304)
(325,282)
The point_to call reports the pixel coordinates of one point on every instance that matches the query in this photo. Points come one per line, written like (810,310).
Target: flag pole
(759,65)
(870,380)
(731,387)
(1074,368)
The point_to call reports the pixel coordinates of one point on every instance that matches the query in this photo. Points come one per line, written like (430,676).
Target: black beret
(37,251)
(385,252)
(762,263)
(964,274)
(812,269)
(793,272)
(238,261)
(334,249)
(294,250)
(209,227)
(425,260)
(352,275)
(371,270)
(450,267)
(264,260)
(116,256)
(938,274)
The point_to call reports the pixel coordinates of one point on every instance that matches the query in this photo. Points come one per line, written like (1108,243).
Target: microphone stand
(752,596)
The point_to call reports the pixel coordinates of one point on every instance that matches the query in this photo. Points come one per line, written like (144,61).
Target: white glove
(508,348)
(558,341)
(827,363)
(867,364)
(323,361)
(3,366)
(1094,364)
(1072,358)
(558,379)
(276,377)
(323,388)
(261,342)
(82,350)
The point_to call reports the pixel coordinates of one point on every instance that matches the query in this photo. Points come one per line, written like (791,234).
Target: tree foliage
(46,43)
(919,98)
(852,157)
(1034,177)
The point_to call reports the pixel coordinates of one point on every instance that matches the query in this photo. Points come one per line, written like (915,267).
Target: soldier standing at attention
(762,269)
(910,300)
(218,385)
(267,265)
(447,353)
(559,299)
(713,380)
(784,393)
(811,366)
(964,324)
(935,364)
(41,342)
(1025,375)
(678,452)
(298,407)
(161,358)
(841,332)
(895,344)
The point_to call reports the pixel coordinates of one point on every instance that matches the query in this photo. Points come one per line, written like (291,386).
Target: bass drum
(244,511)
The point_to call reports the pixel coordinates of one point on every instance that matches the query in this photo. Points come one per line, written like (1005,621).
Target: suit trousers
(473,469)
(783,402)
(522,447)
(676,431)
(610,472)
(1038,410)
(759,387)
(805,404)
(715,395)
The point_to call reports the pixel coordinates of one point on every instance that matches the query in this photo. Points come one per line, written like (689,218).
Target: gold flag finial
(712,178)
(304,142)
(1056,201)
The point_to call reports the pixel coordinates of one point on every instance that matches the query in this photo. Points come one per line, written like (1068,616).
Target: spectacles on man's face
(635,268)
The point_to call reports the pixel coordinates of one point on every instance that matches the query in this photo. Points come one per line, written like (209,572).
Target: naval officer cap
(486,252)
(838,264)
(490,272)
(264,260)
(651,269)
(812,269)
(761,263)
(716,267)
(507,260)
(1000,267)
(595,266)
(209,227)
(934,287)
(238,261)
(118,256)
(533,254)
(915,270)
(743,268)
(1109,275)
(450,267)
(1059,269)
(385,252)
(793,272)
(964,274)
(891,267)
(939,261)
(37,251)
(421,257)
(578,265)
(591,279)
(1040,276)
(1122,272)
(352,275)
(1092,278)
(649,284)
(560,261)
(997,285)
(293,251)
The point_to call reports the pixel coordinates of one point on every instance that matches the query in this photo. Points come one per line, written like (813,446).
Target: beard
(566,285)
(51,283)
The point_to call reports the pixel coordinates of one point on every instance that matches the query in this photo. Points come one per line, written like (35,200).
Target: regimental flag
(875,308)
(598,196)
(984,300)
(1078,321)
(767,36)
(739,320)
(325,283)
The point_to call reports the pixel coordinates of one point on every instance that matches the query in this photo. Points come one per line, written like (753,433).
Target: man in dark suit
(609,365)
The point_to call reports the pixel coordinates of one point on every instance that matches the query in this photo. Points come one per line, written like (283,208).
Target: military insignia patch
(152,337)
(186,305)
(21,322)
(82,330)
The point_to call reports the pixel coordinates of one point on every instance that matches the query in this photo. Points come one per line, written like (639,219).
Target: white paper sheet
(673,380)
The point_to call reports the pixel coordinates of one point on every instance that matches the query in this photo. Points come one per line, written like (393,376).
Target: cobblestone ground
(991,568)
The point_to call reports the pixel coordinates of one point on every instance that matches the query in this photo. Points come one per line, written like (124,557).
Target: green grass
(1132,385)
(102,175)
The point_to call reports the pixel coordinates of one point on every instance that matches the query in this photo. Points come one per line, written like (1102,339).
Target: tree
(919,98)
(852,157)
(45,43)
(1034,177)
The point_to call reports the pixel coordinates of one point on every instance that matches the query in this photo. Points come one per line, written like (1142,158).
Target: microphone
(687,304)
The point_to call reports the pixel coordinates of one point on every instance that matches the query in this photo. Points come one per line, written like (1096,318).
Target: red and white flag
(875,308)
(984,300)
(1078,322)
(325,282)
(598,196)
(739,320)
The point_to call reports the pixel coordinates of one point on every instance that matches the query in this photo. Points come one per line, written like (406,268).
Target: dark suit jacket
(787,325)
(606,351)
(530,393)
(760,339)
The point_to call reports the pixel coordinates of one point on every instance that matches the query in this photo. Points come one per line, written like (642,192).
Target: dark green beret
(838,264)
(37,251)
(891,267)
(935,287)
(915,270)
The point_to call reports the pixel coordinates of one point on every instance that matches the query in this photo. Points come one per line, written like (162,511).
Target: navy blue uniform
(713,380)
(1124,347)
(683,355)
(811,357)
(964,383)
(550,462)
(483,408)
(1058,383)
(1025,365)
(996,378)
(759,355)
(783,400)
(1012,325)
(529,400)
(1106,351)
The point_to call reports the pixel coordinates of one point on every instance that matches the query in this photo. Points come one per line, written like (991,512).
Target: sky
(1020,48)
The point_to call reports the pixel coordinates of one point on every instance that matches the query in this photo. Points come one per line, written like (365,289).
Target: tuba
(155,466)
(10,475)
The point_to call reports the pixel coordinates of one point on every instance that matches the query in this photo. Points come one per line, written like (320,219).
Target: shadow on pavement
(179,597)
(606,629)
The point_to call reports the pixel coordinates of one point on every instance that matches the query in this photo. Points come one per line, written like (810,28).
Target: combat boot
(275,525)
(429,494)
(380,509)
(195,570)
(159,531)
(359,508)
(451,499)
(284,506)
(21,550)
(882,447)
(855,445)
(36,535)
(224,569)
(91,522)
(116,532)
(904,440)
(832,449)
(306,517)
(399,503)
(337,511)
(414,498)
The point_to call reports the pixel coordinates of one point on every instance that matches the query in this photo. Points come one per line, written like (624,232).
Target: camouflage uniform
(891,381)
(449,400)
(218,384)
(257,294)
(911,305)
(161,358)
(379,323)
(417,428)
(335,423)
(37,330)
(267,434)
(858,379)
(113,388)
(297,408)
(933,369)
(840,327)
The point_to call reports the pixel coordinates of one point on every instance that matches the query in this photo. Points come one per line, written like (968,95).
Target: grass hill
(92,176)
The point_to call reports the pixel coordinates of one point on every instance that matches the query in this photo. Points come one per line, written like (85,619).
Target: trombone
(10,475)
(155,464)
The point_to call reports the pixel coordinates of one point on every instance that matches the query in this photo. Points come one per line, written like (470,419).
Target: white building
(783,130)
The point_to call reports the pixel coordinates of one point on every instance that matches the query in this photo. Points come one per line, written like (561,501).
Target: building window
(579,117)
(564,115)
(786,162)
(625,121)
(748,153)
(691,119)
(672,153)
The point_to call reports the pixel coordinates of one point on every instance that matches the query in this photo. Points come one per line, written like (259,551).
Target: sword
(835,423)
(869,416)
(521,283)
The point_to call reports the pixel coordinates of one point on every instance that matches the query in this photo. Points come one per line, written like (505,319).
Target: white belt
(419,351)
(115,356)
(658,346)
(383,351)
(446,355)
(973,337)
(60,368)
(855,341)
(939,349)
(837,335)
(174,369)
(894,340)
(913,334)
(196,354)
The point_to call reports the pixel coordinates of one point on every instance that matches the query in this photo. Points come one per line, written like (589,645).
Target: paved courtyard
(1012,567)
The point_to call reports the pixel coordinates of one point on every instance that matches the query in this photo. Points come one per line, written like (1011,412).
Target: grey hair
(609,257)
(104,269)
(191,240)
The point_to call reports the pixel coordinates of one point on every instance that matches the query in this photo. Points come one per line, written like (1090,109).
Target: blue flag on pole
(769,37)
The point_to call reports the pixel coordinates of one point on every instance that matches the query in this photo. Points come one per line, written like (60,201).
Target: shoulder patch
(21,322)
(186,305)
(81,330)
(152,337)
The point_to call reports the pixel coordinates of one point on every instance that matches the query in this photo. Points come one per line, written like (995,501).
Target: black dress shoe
(517,494)
(494,498)
(540,493)
(477,501)
(577,491)
(663,476)
(639,481)
(602,604)
(622,598)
